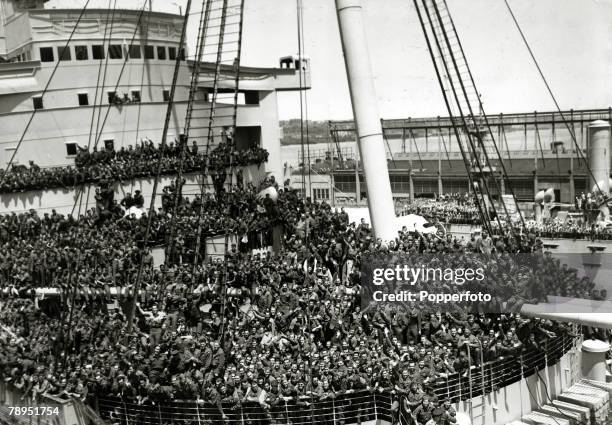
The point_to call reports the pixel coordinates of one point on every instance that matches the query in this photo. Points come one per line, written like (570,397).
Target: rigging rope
(302,53)
(384,134)
(475,152)
(200,43)
(34,111)
(100,127)
(106,59)
(142,75)
(95,103)
(539,139)
(74,270)
(335,142)
(210,134)
(503,134)
(441,138)
(125,61)
(505,174)
(554,99)
(413,141)
(305,160)
(232,149)
(160,164)
(110,19)
(477,199)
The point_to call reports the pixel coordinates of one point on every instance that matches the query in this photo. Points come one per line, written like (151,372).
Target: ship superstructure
(110,87)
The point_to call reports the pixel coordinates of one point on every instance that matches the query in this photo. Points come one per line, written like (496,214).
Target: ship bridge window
(161,52)
(109,144)
(247,137)
(46,54)
(136,96)
(115,51)
(172,53)
(320,194)
(83,99)
(166,95)
(251,97)
(149,52)
(37,102)
(71,148)
(135,51)
(63,53)
(80,53)
(97,51)
(112,97)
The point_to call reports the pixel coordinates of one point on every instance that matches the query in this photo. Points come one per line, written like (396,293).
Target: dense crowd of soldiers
(247,329)
(126,164)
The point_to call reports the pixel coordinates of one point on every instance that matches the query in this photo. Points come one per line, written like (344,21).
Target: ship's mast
(367,118)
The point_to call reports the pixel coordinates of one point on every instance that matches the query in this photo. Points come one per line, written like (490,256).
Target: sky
(571,39)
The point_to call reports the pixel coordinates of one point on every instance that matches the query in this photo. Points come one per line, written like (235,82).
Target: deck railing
(354,407)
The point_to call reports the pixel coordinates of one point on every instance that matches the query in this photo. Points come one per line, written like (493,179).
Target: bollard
(594,359)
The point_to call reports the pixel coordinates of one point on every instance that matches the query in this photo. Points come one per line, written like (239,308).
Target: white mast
(367,118)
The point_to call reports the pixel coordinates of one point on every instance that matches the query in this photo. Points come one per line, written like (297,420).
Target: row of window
(72,147)
(114,51)
(113,98)
(318,193)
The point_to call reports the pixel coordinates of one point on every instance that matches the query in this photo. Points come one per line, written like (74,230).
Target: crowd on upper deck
(126,164)
(448,208)
(461,209)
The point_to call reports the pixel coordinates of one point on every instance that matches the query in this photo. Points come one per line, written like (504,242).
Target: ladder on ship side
(219,36)
(211,116)
(463,101)
(458,83)
(477,395)
(212,106)
(216,63)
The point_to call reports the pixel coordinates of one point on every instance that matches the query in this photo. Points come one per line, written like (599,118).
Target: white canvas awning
(411,221)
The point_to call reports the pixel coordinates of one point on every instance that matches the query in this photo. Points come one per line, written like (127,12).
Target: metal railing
(501,372)
(578,115)
(353,407)
(348,408)
(348,153)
